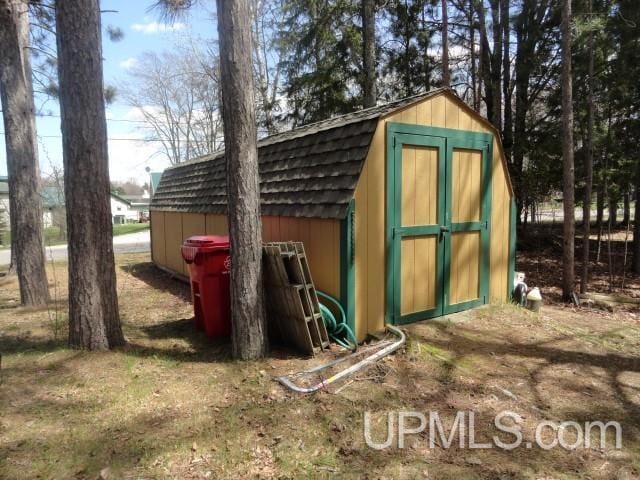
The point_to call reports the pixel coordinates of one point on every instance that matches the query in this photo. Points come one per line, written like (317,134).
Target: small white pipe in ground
(286,380)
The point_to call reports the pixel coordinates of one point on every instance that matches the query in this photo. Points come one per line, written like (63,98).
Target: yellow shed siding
(173,241)
(500,228)
(370,291)
(158,238)
(216,224)
(321,238)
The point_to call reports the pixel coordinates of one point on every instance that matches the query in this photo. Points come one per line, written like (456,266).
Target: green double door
(438,210)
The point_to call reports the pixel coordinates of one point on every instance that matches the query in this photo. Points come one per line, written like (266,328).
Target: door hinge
(486,224)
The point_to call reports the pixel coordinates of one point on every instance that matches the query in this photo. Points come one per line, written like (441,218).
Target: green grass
(55,235)
(129,228)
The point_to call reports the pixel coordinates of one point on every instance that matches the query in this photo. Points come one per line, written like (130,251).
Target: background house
(53,211)
(123,210)
(140,204)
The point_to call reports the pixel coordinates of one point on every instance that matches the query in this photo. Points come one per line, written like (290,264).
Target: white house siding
(121,212)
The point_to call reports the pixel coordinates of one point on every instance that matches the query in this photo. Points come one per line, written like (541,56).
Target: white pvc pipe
(286,380)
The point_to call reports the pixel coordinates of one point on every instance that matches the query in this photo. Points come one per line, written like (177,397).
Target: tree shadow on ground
(158,279)
(164,338)
(539,357)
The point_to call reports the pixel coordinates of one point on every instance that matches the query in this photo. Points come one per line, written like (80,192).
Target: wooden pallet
(293,308)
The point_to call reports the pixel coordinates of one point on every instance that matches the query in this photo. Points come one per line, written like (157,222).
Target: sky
(144,31)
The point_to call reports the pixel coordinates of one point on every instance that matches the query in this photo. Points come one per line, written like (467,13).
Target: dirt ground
(173,404)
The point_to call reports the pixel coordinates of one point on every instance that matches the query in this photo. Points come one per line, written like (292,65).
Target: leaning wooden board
(293,309)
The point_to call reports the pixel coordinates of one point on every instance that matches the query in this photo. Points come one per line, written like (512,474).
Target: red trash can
(209,262)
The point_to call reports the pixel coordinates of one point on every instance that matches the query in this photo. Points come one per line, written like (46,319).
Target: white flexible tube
(286,380)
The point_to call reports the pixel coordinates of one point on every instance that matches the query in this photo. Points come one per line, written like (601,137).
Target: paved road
(138,242)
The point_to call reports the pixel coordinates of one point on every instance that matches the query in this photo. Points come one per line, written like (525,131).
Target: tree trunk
(599,206)
(369,52)
(507,131)
(523,69)
(446,74)
(496,64)
(485,61)
(25,205)
(588,168)
(472,49)
(636,226)
(567,156)
(613,210)
(534,212)
(626,201)
(248,329)
(94,321)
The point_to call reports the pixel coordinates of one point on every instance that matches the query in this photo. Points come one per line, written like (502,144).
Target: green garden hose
(339,332)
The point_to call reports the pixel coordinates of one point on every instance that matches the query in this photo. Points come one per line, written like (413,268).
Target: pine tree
(94,321)
(408,65)
(18,112)
(321,47)
(567,156)
(248,328)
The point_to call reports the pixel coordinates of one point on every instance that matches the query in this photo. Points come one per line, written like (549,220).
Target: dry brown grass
(173,405)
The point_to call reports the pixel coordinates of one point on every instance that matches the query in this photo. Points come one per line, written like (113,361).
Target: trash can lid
(206,242)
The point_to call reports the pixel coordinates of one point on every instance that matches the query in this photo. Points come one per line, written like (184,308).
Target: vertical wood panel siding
(500,216)
(321,238)
(158,238)
(465,263)
(173,241)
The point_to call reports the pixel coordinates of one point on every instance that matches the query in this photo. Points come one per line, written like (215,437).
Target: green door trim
(398,232)
(483,144)
(396,127)
(347,264)
(512,249)
(396,133)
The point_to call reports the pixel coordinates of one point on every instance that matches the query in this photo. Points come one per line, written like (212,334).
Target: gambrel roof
(311,171)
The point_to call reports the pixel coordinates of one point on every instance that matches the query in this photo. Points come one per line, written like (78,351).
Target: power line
(126,139)
(127,120)
(51,115)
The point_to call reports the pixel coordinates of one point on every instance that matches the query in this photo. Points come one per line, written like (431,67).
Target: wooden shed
(406,210)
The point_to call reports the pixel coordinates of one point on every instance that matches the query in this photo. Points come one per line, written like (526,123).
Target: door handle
(443,229)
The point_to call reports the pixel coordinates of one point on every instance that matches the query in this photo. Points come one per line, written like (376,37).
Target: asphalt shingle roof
(311,171)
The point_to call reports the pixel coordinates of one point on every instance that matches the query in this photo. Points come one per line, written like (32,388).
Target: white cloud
(128,63)
(128,157)
(150,28)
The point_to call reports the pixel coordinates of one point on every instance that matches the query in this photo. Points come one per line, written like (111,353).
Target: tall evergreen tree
(370,93)
(16,94)
(321,47)
(94,321)
(248,328)
(588,160)
(446,73)
(567,156)
(408,64)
